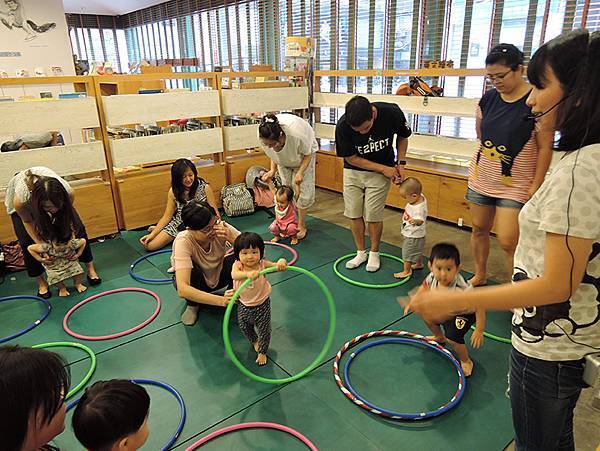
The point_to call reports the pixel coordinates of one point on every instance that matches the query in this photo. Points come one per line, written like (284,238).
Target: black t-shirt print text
(376,145)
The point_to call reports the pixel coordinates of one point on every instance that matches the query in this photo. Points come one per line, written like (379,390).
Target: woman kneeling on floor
(199,260)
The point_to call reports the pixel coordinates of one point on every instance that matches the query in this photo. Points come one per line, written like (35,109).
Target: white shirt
(299,141)
(18,186)
(549,332)
(419,212)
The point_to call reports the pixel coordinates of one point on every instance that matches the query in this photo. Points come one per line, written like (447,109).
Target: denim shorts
(488,201)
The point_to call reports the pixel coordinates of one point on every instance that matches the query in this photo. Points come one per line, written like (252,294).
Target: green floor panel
(296,407)
(110,314)
(132,238)
(499,324)
(301,318)
(113,257)
(192,360)
(481,421)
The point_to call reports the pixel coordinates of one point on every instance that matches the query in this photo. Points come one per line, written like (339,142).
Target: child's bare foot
(403,274)
(467,367)
(441,339)
(275,239)
(255,346)
(477,281)
(261,359)
(294,241)
(417,266)
(80,288)
(63,292)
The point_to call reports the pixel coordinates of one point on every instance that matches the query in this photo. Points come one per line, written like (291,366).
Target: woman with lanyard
(289,141)
(511,161)
(201,266)
(19,205)
(555,300)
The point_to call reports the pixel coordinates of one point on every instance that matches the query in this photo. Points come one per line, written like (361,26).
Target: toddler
(60,262)
(413,226)
(254,308)
(444,264)
(286,215)
(112,416)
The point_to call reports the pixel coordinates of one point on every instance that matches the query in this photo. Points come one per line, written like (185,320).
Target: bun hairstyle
(270,128)
(507,55)
(574,58)
(288,191)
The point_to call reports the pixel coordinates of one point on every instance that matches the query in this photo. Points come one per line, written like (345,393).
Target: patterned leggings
(259,317)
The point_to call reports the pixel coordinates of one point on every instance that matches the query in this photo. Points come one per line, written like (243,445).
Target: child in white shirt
(413,226)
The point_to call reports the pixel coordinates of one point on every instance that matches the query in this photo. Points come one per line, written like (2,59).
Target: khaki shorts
(365,193)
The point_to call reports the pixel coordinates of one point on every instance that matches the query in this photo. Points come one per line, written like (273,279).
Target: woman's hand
(145,240)
(45,258)
(434,305)
(267,176)
(227,297)
(298,177)
(224,232)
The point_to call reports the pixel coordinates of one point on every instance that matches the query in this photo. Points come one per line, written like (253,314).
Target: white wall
(37,49)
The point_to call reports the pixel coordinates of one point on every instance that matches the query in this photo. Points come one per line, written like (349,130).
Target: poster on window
(33,38)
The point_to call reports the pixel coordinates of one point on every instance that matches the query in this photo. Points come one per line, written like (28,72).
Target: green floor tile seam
(228,417)
(125,342)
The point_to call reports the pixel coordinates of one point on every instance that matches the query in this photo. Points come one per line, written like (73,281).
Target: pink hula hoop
(118,334)
(252,425)
(285,246)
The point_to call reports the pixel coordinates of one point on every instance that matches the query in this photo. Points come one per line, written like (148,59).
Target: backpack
(237,200)
(417,87)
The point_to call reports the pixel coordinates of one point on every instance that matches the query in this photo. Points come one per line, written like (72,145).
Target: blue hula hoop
(145,257)
(401,415)
(168,388)
(33,325)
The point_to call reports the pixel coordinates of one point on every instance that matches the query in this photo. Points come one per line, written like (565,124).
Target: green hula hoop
(309,368)
(495,337)
(369,285)
(68,344)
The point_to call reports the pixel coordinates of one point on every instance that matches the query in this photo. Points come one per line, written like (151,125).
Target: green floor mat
(296,407)
(106,315)
(192,360)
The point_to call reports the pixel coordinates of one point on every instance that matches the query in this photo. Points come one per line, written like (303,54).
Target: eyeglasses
(499,77)
(209,227)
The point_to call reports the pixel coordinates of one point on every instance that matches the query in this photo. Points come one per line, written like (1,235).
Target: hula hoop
(293,251)
(37,322)
(253,425)
(406,337)
(142,258)
(118,334)
(318,359)
(68,344)
(168,388)
(369,285)
(495,337)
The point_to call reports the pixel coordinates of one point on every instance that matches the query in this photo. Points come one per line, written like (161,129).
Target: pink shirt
(284,218)
(257,292)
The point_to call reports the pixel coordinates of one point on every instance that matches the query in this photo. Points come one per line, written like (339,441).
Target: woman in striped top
(511,161)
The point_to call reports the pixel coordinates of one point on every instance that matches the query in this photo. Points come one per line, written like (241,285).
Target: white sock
(361,257)
(374,262)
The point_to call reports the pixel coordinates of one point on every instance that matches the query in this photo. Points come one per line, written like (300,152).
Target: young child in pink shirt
(254,308)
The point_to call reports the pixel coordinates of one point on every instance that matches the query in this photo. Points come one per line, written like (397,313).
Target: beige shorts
(365,193)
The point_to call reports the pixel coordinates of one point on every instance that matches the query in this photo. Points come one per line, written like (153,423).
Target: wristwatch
(402,162)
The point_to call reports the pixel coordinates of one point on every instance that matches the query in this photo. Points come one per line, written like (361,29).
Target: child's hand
(477,338)
(253,274)
(281,264)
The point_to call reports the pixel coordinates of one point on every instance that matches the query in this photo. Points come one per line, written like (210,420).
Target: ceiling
(107,7)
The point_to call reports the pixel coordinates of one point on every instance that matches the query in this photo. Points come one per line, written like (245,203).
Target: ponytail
(270,128)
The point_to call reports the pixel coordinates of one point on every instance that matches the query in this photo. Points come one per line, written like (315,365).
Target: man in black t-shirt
(363,137)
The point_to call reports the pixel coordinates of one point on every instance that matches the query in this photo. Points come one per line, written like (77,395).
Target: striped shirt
(486,178)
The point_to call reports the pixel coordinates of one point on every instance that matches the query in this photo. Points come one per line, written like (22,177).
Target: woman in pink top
(511,161)
(199,260)
(285,224)
(254,310)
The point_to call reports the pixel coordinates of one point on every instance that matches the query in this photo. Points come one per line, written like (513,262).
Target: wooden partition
(444,182)
(142,164)
(82,160)
(279,91)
